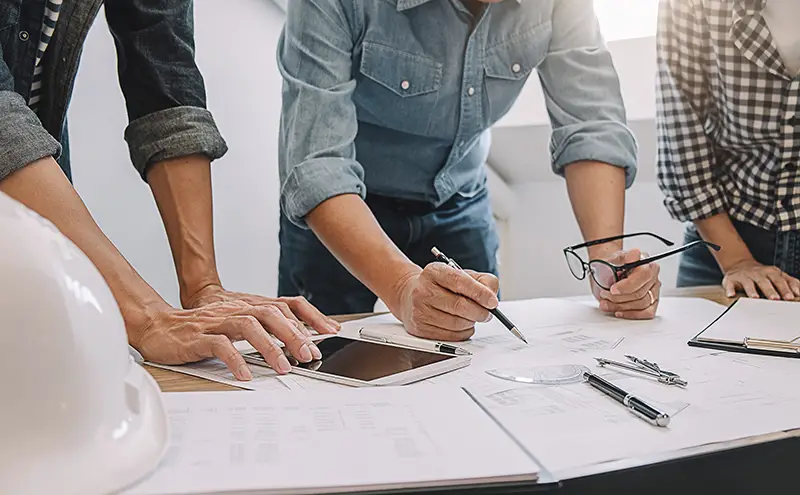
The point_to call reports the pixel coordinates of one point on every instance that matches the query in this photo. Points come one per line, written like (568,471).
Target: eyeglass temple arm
(618,237)
(667,254)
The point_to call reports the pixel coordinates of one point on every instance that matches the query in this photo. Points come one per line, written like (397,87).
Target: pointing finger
(252,330)
(222,347)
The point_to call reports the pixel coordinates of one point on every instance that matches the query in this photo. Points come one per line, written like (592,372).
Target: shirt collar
(410,4)
(753,5)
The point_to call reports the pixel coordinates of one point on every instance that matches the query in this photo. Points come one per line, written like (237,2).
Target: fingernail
(775,297)
(283,364)
(618,314)
(788,296)
(488,318)
(244,373)
(305,353)
(333,327)
(315,351)
(603,306)
(615,290)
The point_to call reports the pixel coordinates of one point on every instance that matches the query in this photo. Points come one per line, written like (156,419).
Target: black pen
(635,405)
(496,312)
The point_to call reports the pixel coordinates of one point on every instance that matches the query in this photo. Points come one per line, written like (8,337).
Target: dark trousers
(781,249)
(463,228)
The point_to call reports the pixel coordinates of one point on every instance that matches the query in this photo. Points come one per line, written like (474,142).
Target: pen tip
(435,251)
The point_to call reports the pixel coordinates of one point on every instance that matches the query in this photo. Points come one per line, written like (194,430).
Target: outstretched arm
(593,148)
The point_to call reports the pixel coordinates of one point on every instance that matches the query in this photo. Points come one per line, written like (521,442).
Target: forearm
(182,190)
(719,230)
(597,193)
(347,227)
(42,187)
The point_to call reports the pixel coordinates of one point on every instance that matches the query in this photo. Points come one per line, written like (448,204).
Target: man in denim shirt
(172,139)
(387,107)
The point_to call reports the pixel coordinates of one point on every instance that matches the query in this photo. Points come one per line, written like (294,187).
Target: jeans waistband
(408,206)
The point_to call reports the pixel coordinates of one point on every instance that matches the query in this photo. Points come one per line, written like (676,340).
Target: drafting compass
(645,367)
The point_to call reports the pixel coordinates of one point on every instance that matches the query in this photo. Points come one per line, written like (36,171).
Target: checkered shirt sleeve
(686,161)
(728,115)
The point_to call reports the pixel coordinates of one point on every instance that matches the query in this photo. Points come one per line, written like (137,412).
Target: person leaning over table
(384,135)
(728,117)
(172,139)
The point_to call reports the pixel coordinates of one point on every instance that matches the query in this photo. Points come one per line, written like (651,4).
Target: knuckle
(273,311)
(250,321)
(432,270)
(452,278)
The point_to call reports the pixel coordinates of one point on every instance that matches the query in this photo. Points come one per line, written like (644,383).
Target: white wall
(544,224)
(236,43)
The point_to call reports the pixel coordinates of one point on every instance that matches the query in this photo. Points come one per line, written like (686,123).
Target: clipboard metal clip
(772,345)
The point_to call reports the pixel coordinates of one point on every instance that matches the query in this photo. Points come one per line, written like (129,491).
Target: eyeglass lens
(575,265)
(603,274)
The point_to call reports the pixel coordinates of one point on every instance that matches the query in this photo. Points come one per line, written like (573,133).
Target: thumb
(486,279)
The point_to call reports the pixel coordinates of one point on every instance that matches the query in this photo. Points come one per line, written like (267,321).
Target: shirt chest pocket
(507,66)
(397,89)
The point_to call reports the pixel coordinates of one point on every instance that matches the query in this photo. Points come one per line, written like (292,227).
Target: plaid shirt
(728,116)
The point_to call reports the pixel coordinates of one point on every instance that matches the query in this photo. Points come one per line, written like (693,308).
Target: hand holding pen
(495,311)
(443,304)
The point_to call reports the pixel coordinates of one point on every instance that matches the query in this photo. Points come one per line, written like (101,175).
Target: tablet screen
(366,361)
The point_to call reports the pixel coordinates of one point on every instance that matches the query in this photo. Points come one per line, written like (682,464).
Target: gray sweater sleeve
(23,140)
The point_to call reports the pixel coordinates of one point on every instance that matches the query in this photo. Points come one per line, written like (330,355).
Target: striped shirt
(51,12)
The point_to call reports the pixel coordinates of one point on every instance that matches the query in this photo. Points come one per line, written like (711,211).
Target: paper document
(756,319)
(332,441)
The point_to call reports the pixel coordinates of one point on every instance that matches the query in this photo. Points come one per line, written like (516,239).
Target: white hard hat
(77,415)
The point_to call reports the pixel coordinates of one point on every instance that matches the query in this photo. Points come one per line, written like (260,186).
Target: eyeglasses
(606,274)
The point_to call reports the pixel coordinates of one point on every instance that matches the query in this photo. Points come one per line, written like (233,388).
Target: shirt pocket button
(405,85)
(516,68)
(24,36)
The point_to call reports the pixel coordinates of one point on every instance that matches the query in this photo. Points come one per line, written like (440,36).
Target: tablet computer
(362,363)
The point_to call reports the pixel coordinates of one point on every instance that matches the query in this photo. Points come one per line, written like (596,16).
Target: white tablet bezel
(403,378)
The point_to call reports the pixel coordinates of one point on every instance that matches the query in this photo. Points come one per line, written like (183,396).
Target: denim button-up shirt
(397,96)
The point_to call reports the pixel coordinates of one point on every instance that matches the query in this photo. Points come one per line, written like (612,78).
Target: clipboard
(751,325)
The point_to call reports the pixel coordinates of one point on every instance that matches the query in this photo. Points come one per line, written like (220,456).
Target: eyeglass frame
(621,271)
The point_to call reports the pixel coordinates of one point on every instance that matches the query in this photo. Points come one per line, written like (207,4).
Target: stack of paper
(336,441)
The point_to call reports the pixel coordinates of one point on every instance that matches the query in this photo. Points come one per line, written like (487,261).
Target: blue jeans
(782,249)
(463,228)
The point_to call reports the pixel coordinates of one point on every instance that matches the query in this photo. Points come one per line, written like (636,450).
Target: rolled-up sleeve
(686,172)
(317,156)
(582,94)
(23,140)
(163,87)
